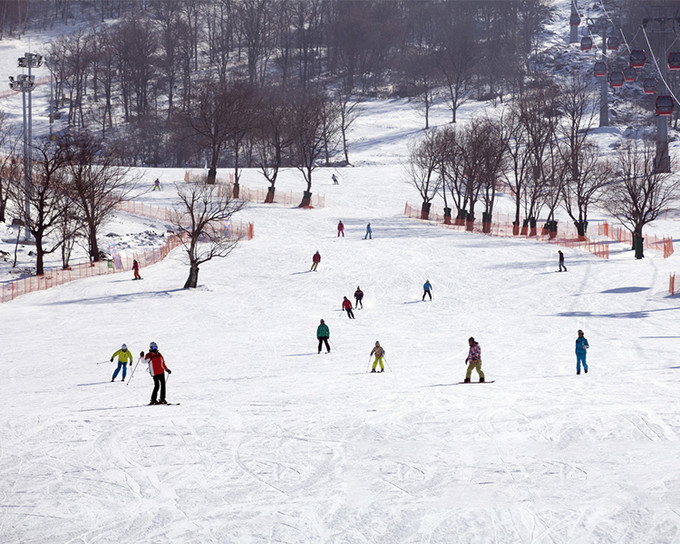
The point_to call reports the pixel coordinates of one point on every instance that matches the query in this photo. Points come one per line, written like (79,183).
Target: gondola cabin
(638,57)
(630,74)
(674,60)
(649,85)
(616,79)
(612,43)
(664,105)
(574,20)
(600,69)
(586,43)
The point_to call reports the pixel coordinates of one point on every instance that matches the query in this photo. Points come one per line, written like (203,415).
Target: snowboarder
(474,360)
(135,269)
(427,288)
(316,259)
(379,353)
(369,232)
(347,305)
(581,347)
(157,368)
(157,185)
(124,357)
(358,298)
(335,179)
(341,229)
(561,258)
(323,334)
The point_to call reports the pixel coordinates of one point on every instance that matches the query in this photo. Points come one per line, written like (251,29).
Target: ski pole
(133,370)
(369,364)
(104,362)
(388,366)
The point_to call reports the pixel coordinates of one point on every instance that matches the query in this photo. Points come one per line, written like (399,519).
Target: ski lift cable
(644,33)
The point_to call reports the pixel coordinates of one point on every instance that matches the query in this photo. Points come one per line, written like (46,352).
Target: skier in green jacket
(323,334)
(124,357)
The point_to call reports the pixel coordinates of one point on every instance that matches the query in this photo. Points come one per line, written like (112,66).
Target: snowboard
(487,381)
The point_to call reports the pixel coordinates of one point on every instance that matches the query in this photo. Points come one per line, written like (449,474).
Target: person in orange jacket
(157,368)
(347,305)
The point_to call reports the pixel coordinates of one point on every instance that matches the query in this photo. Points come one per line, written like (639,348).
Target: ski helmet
(153,345)
(124,347)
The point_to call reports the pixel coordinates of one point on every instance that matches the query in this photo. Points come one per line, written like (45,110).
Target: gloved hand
(141,354)
(169,371)
(112,359)
(130,363)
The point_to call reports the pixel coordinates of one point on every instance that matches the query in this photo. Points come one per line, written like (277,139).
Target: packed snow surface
(273,442)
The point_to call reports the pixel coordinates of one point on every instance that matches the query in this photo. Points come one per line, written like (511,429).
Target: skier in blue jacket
(581,347)
(427,289)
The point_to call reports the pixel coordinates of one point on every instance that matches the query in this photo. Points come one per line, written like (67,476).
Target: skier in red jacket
(347,305)
(316,259)
(157,368)
(341,229)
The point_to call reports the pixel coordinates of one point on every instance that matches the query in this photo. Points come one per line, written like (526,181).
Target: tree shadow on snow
(625,315)
(122,297)
(618,290)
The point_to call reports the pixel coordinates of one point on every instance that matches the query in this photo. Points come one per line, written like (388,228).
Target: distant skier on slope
(581,347)
(561,260)
(316,259)
(135,269)
(369,232)
(379,353)
(347,305)
(341,229)
(157,368)
(474,360)
(124,357)
(427,289)
(358,298)
(322,335)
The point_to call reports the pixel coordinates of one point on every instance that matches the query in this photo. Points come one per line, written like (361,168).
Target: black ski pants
(324,340)
(350,313)
(158,382)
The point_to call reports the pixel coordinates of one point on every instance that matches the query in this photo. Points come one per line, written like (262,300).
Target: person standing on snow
(157,185)
(124,357)
(379,353)
(358,298)
(347,305)
(474,360)
(157,368)
(316,259)
(323,334)
(581,347)
(335,179)
(135,269)
(369,232)
(561,259)
(341,229)
(427,288)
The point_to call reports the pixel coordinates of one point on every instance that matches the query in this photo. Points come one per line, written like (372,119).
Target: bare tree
(11,166)
(348,110)
(639,194)
(95,182)
(203,222)
(421,170)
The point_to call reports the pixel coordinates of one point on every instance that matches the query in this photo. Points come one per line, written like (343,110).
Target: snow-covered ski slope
(275,443)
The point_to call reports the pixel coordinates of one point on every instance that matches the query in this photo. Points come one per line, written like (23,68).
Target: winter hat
(322,321)
(153,345)
(580,331)
(124,347)
(471,339)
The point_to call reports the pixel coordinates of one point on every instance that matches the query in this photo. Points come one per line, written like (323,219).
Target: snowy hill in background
(273,442)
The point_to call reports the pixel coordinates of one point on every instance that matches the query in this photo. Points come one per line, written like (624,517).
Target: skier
(347,305)
(581,347)
(157,368)
(427,288)
(358,298)
(379,353)
(135,269)
(323,334)
(124,357)
(561,258)
(474,360)
(335,179)
(369,232)
(316,259)
(341,229)
(157,185)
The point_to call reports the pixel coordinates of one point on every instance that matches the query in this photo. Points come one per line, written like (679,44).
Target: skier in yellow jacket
(124,357)
(379,353)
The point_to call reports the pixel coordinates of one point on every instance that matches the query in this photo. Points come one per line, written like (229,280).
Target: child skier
(474,360)
(157,368)
(124,357)
(379,353)
(581,347)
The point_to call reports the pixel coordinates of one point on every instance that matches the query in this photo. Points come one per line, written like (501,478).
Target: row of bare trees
(540,148)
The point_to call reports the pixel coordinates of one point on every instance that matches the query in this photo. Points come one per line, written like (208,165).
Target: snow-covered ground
(273,442)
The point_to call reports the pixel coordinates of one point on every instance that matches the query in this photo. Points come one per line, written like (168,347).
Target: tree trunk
(306,200)
(212,175)
(486,222)
(470,222)
(237,189)
(638,243)
(94,248)
(269,199)
(425,210)
(447,216)
(192,280)
(460,218)
(581,229)
(532,226)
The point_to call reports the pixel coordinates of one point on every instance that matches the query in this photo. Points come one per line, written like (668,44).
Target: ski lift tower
(25,83)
